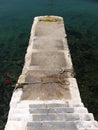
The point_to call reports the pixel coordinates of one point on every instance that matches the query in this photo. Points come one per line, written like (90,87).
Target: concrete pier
(46,96)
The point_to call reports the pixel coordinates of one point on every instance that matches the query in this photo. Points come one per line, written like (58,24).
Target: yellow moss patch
(50,19)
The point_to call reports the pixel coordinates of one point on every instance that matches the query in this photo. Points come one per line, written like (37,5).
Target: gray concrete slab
(50,105)
(48,59)
(51,126)
(58,126)
(48,43)
(52,29)
(50,117)
(46,91)
(55,110)
(33,76)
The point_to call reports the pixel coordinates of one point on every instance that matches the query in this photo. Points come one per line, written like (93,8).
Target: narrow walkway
(47,79)
(46,96)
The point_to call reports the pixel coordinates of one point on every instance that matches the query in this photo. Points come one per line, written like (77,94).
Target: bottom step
(51,126)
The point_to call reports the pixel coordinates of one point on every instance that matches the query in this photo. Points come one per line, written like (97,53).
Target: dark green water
(16,16)
(81,23)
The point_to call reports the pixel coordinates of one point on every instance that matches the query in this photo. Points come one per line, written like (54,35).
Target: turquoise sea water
(81,23)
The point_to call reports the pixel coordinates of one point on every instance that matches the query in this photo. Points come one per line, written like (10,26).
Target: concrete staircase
(58,117)
(51,116)
(46,96)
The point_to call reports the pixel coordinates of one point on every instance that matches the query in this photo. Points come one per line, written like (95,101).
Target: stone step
(43,108)
(48,105)
(52,110)
(42,104)
(51,126)
(80,110)
(87,124)
(63,117)
(86,116)
(23,115)
(50,117)
(64,125)
(59,110)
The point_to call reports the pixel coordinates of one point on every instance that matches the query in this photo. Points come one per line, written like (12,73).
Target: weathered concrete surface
(46,96)
(49,62)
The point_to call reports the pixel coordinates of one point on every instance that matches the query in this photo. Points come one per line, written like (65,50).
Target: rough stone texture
(46,96)
(49,62)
